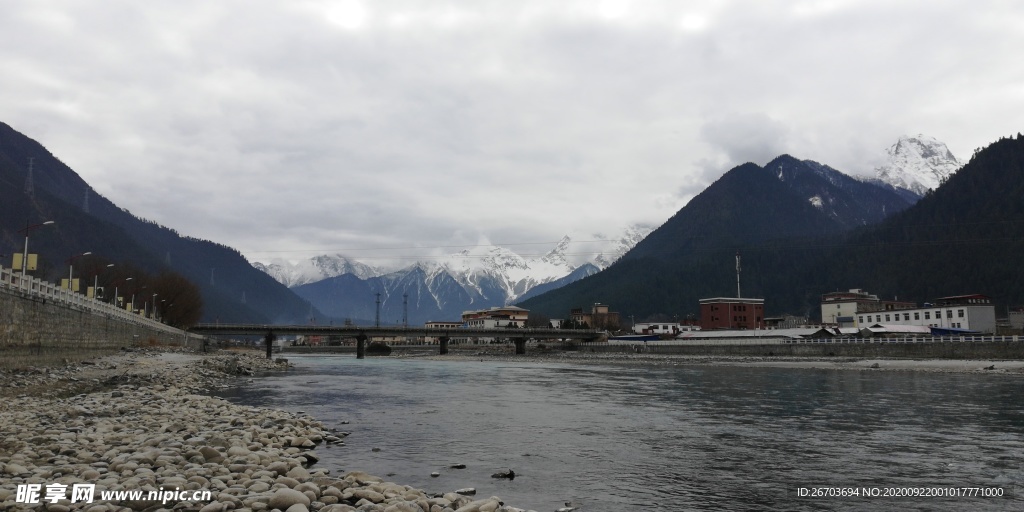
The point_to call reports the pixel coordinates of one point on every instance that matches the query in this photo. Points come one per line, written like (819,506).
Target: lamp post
(115,292)
(96,281)
(133,297)
(24,259)
(71,268)
(154,306)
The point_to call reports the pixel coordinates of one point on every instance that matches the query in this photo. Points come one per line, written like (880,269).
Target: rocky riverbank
(72,438)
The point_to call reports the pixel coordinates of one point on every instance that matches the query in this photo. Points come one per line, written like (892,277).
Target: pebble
(161,433)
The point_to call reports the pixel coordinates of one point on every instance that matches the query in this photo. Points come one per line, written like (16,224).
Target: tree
(179,302)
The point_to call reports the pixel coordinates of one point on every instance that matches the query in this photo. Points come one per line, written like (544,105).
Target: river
(664,437)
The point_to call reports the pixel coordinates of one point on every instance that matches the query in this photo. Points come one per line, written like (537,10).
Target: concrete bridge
(361,334)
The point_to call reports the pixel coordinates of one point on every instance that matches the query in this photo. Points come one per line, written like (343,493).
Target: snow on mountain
(475,278)
(918,164)
(315,269)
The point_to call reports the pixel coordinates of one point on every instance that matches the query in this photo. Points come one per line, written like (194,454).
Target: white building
(842,309)
(962,312)
(662,328)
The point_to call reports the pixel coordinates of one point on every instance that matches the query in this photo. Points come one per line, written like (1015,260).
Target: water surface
(614,438)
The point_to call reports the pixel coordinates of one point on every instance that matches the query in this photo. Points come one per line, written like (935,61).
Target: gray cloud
(283,128)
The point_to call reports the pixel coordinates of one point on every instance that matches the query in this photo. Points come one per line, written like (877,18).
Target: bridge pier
(360,346)
(443,343)
(520,346)
(268,340)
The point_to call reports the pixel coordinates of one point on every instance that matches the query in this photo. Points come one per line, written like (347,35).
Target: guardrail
(30,287)
(787,341)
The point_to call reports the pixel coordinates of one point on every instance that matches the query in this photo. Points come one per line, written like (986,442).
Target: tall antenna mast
(377,323)
(405,310)
(738,275)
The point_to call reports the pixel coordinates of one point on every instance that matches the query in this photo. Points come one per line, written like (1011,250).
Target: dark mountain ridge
(232,290)
(964,237)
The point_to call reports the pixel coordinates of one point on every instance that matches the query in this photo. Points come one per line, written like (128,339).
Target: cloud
(743,138)
(290,126)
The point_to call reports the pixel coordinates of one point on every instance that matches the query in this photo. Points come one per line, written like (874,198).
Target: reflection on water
(666,438)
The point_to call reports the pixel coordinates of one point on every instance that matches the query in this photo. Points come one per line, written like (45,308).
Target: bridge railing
(12,282)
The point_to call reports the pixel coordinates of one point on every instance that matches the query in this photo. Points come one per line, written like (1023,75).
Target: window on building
(886,318)
(938,315)
(917,315)
(860,319)
(906,317)
(927,315)
(949,313)
(959,313)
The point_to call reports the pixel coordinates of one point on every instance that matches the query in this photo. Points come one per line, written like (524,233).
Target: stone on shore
(158,434)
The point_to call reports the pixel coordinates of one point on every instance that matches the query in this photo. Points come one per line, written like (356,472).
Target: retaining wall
(37,330)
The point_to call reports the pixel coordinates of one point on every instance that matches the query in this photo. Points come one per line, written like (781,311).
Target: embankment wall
(37,331)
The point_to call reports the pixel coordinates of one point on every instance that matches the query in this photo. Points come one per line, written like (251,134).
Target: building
(841,308)
(496,317)
(657,328)
(598,318)
(957,313)
(786,322)
(443,326)
(1016,319)
(731,313)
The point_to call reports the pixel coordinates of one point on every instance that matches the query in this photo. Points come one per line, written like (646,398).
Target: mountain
(232,290)
(964,237)
(443,288)
(315,269)
(751,204)
(917,164)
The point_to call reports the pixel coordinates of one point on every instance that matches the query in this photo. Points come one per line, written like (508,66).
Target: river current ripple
(614,438)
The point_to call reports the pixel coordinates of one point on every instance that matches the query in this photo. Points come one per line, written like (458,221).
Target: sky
(292,128)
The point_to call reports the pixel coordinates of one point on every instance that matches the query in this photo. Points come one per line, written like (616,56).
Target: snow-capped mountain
(442,288)
(315,269)
(918,164)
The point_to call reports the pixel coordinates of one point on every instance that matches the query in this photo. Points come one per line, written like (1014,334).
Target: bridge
(362,334)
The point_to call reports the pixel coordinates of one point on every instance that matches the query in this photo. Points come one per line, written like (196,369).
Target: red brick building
(731,313)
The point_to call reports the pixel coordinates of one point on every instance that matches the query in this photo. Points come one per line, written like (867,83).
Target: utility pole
(405,310)
(377,323)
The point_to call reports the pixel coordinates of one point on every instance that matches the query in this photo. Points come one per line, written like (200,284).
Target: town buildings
(499,316)
(951,314)
(731,313)
(841,308)
(599,317)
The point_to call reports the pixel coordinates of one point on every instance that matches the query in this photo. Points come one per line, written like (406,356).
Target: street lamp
(96,281)
(71,269)
(24,259)
(133,297)
(125,280)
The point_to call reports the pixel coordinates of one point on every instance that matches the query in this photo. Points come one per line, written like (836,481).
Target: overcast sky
(302,127)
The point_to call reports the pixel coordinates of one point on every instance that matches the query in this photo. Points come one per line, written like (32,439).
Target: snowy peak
(918,164)
(315,269)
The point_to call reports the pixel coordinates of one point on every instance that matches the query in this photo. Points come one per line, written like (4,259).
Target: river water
(662,437)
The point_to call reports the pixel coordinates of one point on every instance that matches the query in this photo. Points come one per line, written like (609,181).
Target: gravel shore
(139,421)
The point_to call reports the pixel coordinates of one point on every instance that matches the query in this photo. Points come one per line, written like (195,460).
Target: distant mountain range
(777,216)
(802,232)
(443,288)
(801,198)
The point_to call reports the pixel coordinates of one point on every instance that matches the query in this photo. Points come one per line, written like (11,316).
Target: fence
(766,340)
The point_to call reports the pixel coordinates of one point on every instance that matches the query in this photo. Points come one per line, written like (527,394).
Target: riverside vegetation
(144,424)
